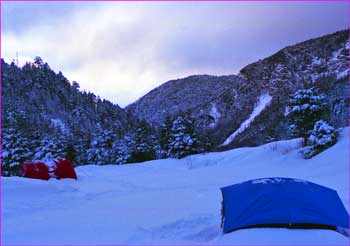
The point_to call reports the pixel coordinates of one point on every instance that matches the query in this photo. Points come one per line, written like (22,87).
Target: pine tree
(48,150)
(122,152)
(143,147)
(71,153)
(38,62)
(15,151)
(306,107)
(183,140)
(100,151)
(322,136)
(165,132)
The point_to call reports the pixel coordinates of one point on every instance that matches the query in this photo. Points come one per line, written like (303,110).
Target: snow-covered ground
(165,201)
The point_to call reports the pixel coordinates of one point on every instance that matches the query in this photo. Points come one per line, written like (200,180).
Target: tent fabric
(282,202)
(64,169)
(34,170)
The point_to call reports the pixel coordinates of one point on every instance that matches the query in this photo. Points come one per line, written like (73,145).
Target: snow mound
(285,146)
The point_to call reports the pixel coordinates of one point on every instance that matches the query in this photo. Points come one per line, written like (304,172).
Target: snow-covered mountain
(168,201)
(222,105)
(44,116)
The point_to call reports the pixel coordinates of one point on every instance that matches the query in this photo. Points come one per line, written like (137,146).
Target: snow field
(166,201)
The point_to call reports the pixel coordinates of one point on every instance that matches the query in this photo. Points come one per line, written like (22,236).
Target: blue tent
(282,202)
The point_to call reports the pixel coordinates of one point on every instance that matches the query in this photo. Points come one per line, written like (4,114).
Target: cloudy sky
(122,50)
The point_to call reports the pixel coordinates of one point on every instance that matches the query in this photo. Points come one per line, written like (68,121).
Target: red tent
(34,170)
(64,169)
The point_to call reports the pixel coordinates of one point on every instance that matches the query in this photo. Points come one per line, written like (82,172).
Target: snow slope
(263,101)
(165,201)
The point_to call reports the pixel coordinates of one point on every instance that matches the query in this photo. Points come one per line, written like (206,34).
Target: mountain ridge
(293,67)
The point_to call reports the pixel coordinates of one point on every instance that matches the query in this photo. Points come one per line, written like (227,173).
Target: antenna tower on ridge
(17,58)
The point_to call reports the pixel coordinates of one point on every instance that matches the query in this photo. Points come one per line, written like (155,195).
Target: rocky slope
(220,104)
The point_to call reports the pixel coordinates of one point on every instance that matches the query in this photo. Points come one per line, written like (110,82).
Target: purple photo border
(349,120)
(0,124)
(214,1)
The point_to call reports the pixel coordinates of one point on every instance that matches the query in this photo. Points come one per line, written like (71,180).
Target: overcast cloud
(122,50)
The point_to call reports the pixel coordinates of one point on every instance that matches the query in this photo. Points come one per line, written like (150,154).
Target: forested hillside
(44,116)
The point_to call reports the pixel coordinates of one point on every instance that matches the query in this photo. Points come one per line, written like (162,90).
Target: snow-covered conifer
(15,150)
(100,151)
(165,131)
(322,136)
(143,147)
(306,107)
(121,152)
(183,140)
